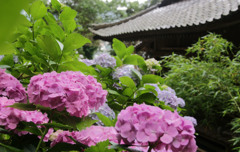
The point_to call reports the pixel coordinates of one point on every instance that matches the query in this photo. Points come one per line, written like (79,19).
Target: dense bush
(209,81)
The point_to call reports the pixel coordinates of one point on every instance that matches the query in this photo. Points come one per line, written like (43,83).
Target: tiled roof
(180,14)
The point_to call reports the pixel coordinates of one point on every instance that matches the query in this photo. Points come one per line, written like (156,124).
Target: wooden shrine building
(173,25)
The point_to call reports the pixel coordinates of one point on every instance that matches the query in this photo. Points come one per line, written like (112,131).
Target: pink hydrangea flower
(71,90)
(11,88)
(144,124)
(10,117)
(90,136)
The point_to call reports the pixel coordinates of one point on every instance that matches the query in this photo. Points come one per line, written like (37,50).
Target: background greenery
(209,82)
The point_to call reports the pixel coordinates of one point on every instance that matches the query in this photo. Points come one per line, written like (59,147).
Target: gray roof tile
(180,14)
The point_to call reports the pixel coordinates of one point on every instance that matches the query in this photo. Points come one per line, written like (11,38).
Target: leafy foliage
(46,40)
(209,82)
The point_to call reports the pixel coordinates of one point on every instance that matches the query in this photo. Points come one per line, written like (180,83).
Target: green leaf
(29,127)
(74,41)
(104,71)
(144,90)
(7,60)
(56,125)
(137,73)
(38,10)
(11,18)
(56,5)
(133,59)
(50,46)
(67,18)
(4,66)
(151,78)
(122,147)
(151,89)
(12,149)
(100,147)
(128,92)
(113,92)
(148,98)
(7,48)
(118,61)
(57,31)
(119,48)
(24,106)
(85,122)
(130,50)
(127,81)
(66,147)
(77,66)
(105,120)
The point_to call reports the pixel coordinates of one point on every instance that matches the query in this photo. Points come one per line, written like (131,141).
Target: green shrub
(208,82)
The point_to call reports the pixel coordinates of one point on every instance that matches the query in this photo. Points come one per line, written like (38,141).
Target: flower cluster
(88,62)
(71,90)
(10,117)
(90,136)
(104,59)
(150,63)
(144,124)
(169,97)
(11,88)
(125,70)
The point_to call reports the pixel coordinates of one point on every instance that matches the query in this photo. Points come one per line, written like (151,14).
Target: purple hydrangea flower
(105,60)
(125,70)
(88,62)
(169,97)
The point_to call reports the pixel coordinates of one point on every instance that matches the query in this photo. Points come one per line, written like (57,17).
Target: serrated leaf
(50,46)
(85,122)
(56,5)
(133,59)
(29,127)
(38,10)
(118,61)
(77,66)
(113,92)
(74,41)
(67,18)
(137,73)
(119,48)
(128,92)
(100,147)
(127,81)
(57,125)
(151,78)
(105,120)
(24,106)
(130,50)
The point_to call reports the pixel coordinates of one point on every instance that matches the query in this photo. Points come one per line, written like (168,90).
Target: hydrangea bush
(72,105)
